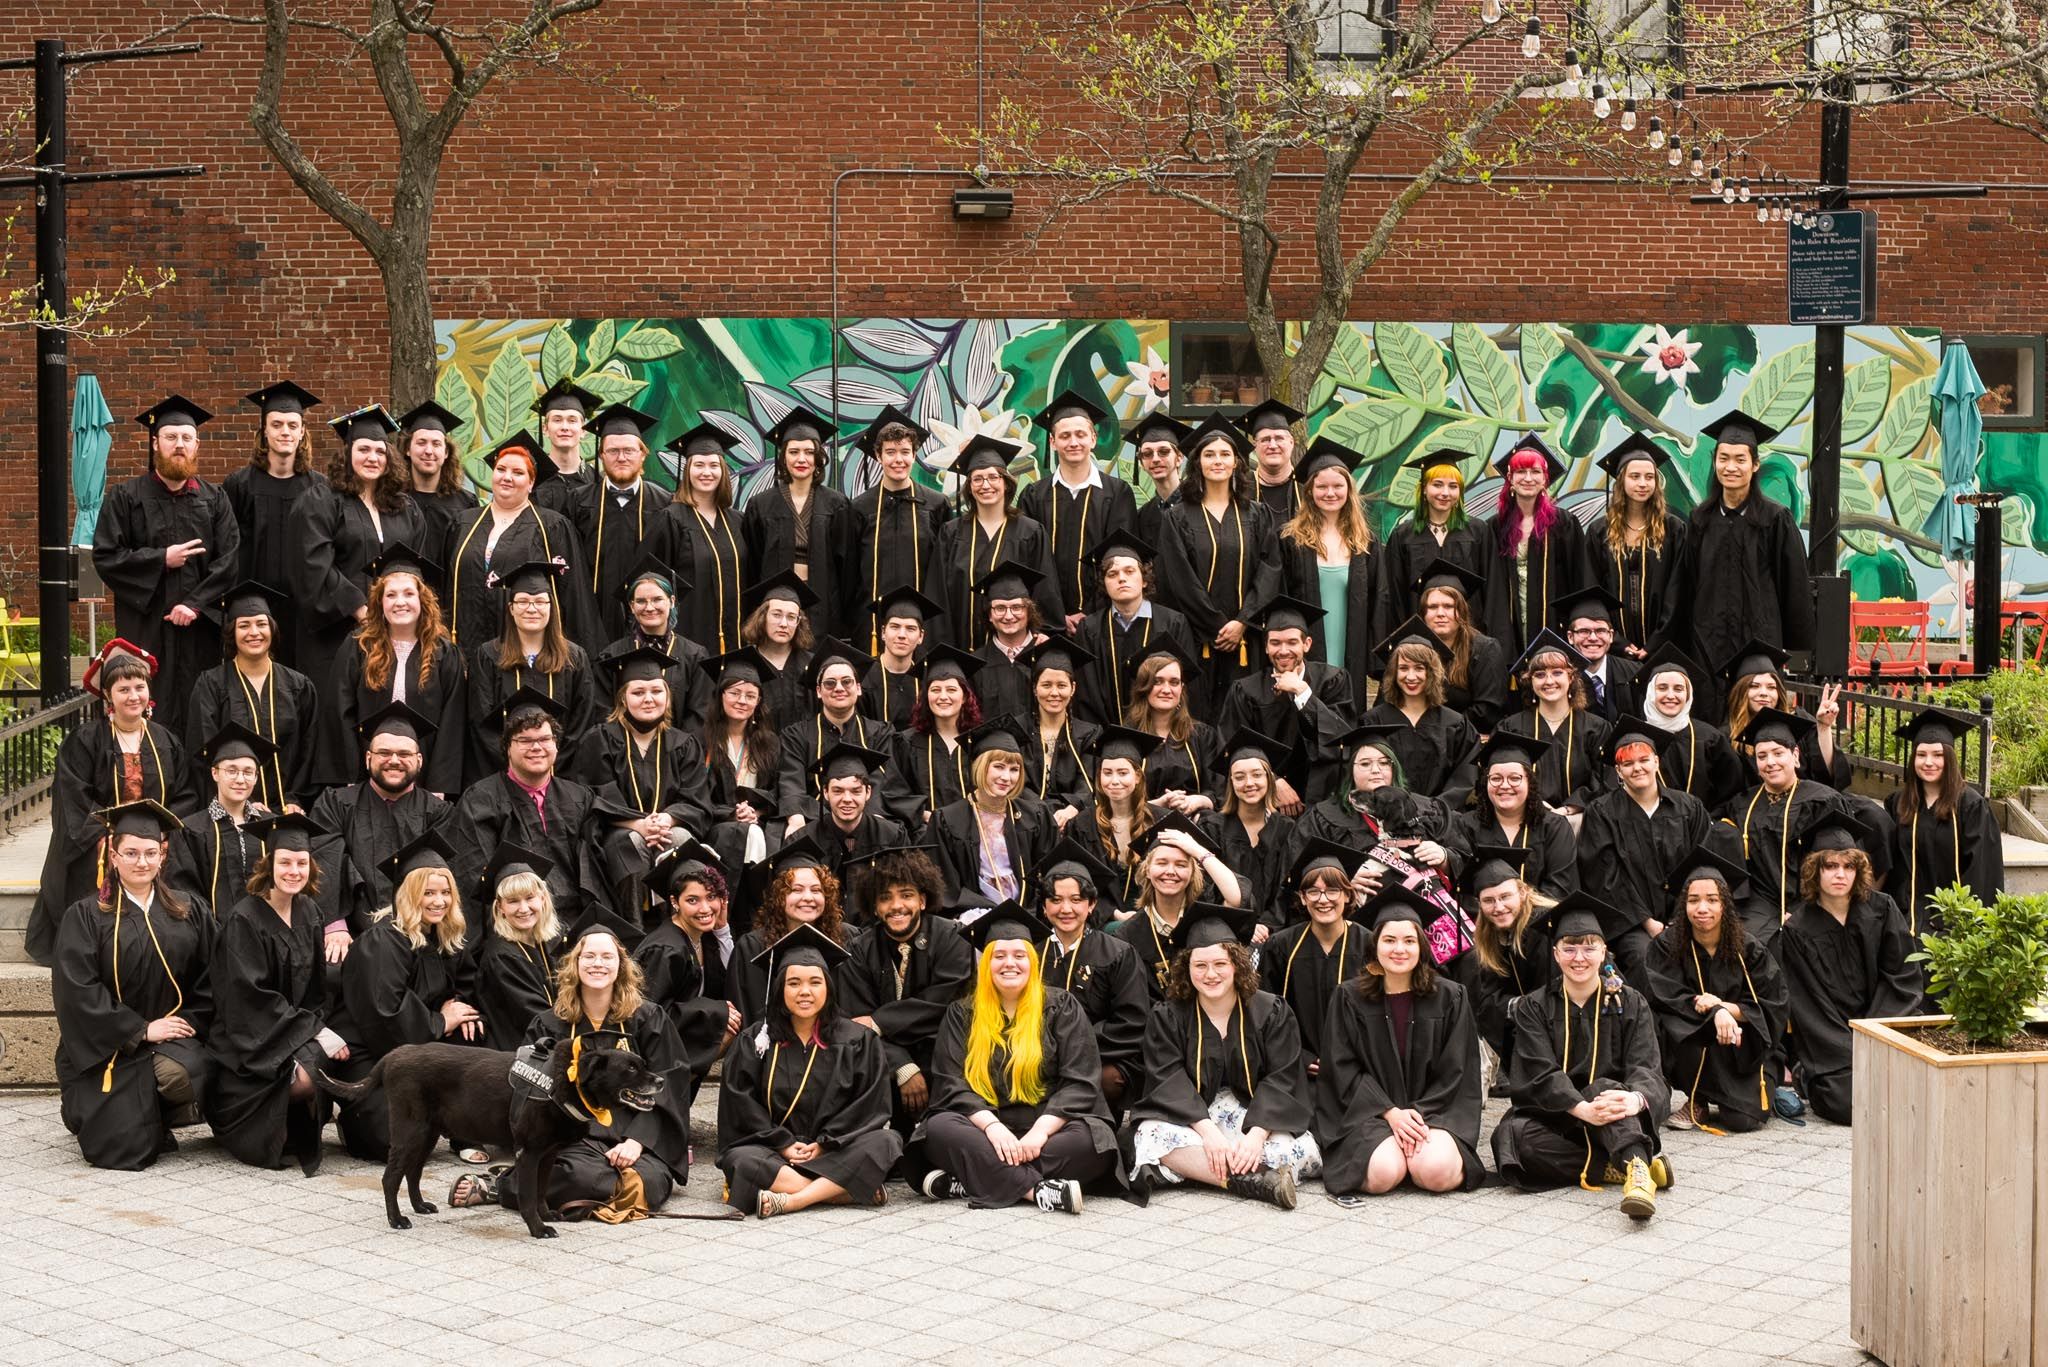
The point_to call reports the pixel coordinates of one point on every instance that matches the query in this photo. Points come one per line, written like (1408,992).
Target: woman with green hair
(1372,806)
(1438,529)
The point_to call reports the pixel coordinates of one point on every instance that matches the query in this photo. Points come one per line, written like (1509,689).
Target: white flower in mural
(1668,356)
(1154,383)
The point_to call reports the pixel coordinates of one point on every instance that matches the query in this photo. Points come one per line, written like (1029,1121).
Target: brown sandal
(772,1203)
(473,1189)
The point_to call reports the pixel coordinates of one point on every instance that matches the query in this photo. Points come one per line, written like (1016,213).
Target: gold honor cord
(1692,1093)
(1343,948)
(768,1086)
(597,542)
(163,790)
(1243,1050)
(653,799)
(1080,541)
(1955,835)
(256,715)
(1592,1065)
(978,626)
(121,900)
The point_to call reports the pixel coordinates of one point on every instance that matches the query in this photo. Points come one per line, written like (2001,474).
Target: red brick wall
(564,200)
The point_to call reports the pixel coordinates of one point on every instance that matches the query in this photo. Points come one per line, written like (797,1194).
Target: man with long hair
(262,492)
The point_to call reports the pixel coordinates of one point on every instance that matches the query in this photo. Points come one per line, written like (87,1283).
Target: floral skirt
(1155,1139)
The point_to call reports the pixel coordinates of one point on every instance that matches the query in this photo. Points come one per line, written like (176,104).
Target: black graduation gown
(1833,774)
(490,684)
(1308,731)
(1929,854)
(514,983)
(475,610)
(1258,1057)
(1575,771)
(805,741)
(1837,972)
(1734,1077)
(442,698)
(270,555)
(286,712)
(674,979)
(1261,875)
(1075,524)
(1552,867)
(1367,602)
(668,775)
(612,539)
(581,1171)
(1437,751)
(270,999)
(1103,690)
(1760,821)
(1056,773)
(746,982)
(1028,832)
(87,780)
(110,980)
(1538,1143)
(364,828)
(872,832)
(891,697)
(835,1094)
(1103,974)
(895,538)
(712,556)
(1640,577)
(1739,577)
(768,527)
(1411,546)
(964,554)
(785,700)
(337,542)
(1556,567)
(1294,966)
(211,858)
(1365,1074)
(939,973)
(443,510)
(1483,697)
(1491,993)
(560,492)
(1612,693)
(493,811)
(1699,759)
(391,994)
(139,520)
(1625,858)
(1070,1070)
(1236,572)
(1091,836)
(924,777)
(1194,766)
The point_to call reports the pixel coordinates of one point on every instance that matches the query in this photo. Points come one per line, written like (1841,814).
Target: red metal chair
(1872,639)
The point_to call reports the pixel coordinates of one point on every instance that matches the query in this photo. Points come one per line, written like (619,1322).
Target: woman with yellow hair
(1016,1105)
(1438,529)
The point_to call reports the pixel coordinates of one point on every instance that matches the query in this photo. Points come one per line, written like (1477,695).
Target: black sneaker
(941,1186)
(1058,1195)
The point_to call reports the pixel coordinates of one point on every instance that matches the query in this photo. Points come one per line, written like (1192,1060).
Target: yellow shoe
(1660,1174)
(1638,1193)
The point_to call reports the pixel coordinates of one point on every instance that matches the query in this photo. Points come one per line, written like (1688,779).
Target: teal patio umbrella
(92,437)
(1957,387)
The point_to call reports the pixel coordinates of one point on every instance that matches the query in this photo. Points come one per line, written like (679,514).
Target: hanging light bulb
(1699,163)
(1489,11)
(1728,192)
(1763,213)
(1532,38)
(1742,190)
(1656,138)
(1602,106)
(1714,182)
(1628,115)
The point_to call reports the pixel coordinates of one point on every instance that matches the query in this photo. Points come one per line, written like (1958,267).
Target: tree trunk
(409,308)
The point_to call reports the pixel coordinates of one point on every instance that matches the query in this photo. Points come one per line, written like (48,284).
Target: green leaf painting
(1905,422)
(1781,387)
(1539,348)
(1374,428)
(1489,377)
(509,392)
(1412,360)
(1866,388)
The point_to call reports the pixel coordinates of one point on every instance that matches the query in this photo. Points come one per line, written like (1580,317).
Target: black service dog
(435,1090)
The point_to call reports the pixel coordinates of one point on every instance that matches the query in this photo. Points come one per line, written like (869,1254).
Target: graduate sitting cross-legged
(514,977)
(1101,971)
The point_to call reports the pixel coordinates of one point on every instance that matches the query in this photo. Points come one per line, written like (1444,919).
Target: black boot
(1274,1186)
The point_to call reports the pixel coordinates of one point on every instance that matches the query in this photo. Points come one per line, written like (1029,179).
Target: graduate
(1845,949)
(1098,970)
(263,492)
(513,528)
(617,519)
(1126,627)
(1075,501)
(1476,675)
(1696,756)
(1769,817)
(1254,834)
(564,411)
(1944,830)
(1398,1095)
(531,652)
(1119,817)
(1538,551)
(433,469)
(1633,841)
(1177,871)
(1435,742)
(1306,961)
(911,965)
(168,550)
(402,653)
(929,756)
(1185,772)
(1503,812)
(210,855)
(399,985)
(1353,817)
(1015,625)
(792,1137)
(651,593)
(1510,955)
(1758,683)
(991,839)
(1229,539)
(1574,772)
(803,891)
(741,749)
(832,677)
(1741,570)
(1589,619)
(1160,442)
(339,530)
(990,531)
(1269,431)
(803,526)
(516,963)
(1227,1101)
(704,541)
(895,522)
(1327,558)
(778,625)
(134,1002)
(683,960)
(1720,1000)
(891,688)
(1589,1096)
(252,689)
(1437,529)
(122,757)
(849,816)
(1639,541)
(1056,771)
(1017,1111)
(370,820)
(1297,700)
(270,1034)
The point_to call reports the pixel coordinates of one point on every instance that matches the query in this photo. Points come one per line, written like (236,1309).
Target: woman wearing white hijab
(1696,757)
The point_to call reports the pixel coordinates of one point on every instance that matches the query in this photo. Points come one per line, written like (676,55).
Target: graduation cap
(1835,828)
(1399,902)
(1415,631)
(394,719)
(1172,821)
(1009,579)
(745,665)
(1246,743)
(651,566)
(891,416)
(788,586)
(250,599)
(799,424)
(761,801)
(1529,441)
(1213,428)
(997,733)
(1597,603)
(637,664)
(1756,657)
(1737,428)
(1443,574)
(983,452)
(1123,742)
(566,393)
(1931,728)
(1069,858)
(1007,921)
(866,860)
(1668,657)
(1634,446)
(1156,427)
(1376,733)
(1125,542)
(524,444)
(1270,414)
(1068,405)
(1442,456)
(1786,728)
(800,851)
(283,397)
(804,946)
(830,649)
(285,830)
(1325,454)
(1318,853)
(1545,643)
(507,860)
(1505,747)
(1581,913)
(236,741)
(369,423)
(685,861)
(705,439)
(428,850)
(147,818)
(527,696)
(401,556)
(175,411)
(1285,613)
(847,760)
(948,661)
(1625,732)
(532,576)
(624,420)
(907,602)
(429,417)
(1190,667)
(1205,924)
(1055,652)
(1493,865)
(1702,862)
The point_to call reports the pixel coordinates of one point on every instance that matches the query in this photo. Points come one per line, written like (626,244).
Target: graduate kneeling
(1588,1086)
(1398,1094)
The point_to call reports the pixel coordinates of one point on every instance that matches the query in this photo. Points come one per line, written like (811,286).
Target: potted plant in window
(1949,1211)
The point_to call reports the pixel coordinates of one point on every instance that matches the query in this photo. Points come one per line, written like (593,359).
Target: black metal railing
(1868,733)
(29,736)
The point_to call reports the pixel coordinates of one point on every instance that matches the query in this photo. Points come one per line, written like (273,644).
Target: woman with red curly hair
(1539,550)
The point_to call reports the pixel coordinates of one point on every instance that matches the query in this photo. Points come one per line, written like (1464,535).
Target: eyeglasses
(1325,894)
(527,600)
(145,854)
(1595,631)
(394,754)
(836,685)
(533,742)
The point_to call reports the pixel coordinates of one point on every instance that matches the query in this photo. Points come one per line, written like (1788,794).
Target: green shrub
(1988,965)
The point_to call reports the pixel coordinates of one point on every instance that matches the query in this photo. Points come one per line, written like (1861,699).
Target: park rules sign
(1831,268)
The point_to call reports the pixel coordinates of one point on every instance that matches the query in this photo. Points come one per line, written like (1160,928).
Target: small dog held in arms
(530,1101)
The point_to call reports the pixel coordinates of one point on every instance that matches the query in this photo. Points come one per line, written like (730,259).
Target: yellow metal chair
(18,667)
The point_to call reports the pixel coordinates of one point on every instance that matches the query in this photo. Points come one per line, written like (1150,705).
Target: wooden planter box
(1949,1208)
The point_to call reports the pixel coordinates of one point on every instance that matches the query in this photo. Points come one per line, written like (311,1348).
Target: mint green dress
(1333,582)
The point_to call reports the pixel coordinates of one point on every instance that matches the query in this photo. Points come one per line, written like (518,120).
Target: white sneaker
(1058,1195)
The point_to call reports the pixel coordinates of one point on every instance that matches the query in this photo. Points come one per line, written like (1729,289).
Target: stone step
(28,1027)
(2026,866)
(15,902)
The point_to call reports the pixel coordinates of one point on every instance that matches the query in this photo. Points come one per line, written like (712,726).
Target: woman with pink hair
(1539,550)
